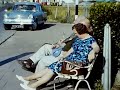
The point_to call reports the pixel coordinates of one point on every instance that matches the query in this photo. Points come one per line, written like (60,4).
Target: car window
(39,7)
(24,7)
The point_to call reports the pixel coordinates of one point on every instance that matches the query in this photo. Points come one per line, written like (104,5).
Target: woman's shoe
(26,87)
(22,79)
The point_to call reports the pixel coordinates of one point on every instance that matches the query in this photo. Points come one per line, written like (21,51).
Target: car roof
(27,3)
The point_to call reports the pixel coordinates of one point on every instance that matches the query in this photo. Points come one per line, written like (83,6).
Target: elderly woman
(83,45)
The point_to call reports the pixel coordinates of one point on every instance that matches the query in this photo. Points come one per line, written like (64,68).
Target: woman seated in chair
(82,52)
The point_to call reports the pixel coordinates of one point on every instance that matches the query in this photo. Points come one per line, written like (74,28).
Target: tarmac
(5,35)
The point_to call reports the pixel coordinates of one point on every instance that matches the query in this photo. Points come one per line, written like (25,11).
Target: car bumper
(18,21)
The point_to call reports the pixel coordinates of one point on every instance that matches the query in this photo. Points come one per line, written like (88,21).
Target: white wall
(66,1)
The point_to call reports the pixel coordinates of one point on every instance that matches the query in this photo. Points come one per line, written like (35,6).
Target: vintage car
(24,15)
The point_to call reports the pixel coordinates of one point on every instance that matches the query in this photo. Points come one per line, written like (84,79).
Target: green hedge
(100,14)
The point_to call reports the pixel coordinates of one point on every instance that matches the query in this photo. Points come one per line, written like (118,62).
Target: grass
(62,15)
(98,85)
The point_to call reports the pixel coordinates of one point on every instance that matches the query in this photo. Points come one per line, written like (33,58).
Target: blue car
(24,15)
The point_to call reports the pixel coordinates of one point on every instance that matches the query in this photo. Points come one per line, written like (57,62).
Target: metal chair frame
(73,68)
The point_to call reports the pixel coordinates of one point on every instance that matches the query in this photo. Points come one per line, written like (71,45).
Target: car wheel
(33,26)
(42,23)
(6,27)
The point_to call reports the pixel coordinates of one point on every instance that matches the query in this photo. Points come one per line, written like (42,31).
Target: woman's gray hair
(85,21)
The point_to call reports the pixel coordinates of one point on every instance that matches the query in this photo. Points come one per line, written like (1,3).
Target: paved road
(27,41)
(1,21)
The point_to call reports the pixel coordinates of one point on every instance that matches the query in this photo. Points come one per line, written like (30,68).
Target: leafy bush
(100,14)
(98,85)
(46,10)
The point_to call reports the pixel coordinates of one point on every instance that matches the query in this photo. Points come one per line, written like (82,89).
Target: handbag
(67,67)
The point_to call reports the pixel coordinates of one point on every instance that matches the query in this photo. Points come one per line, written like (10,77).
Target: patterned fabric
(81,49)
(58,67)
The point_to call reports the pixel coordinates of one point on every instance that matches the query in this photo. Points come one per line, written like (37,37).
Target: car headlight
(30,16)
(5,16)
(18,16)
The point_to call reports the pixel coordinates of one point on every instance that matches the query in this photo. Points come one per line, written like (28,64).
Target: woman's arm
(66,53)
(94,51)
(95,47)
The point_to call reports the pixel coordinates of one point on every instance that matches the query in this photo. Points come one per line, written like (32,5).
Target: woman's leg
(36,75)
(45,78)
(43,51)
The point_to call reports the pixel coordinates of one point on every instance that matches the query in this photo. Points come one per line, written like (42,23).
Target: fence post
(76,8)
(106,77)
(56,11)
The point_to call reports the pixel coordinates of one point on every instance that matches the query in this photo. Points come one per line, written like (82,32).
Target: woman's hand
(58,44)
(67,53)
(55,45)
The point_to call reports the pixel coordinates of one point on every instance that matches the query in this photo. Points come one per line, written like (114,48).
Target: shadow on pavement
(40,27)
(14,58)
(45,26)
(59,85)
(62,85)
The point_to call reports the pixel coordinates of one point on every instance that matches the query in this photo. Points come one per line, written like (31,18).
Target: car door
(39,14)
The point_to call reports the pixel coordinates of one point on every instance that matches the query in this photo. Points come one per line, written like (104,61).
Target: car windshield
(24,7)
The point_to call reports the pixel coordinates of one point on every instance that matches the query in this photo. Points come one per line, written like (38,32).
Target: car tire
(33,26)
(42,23)
(6,27)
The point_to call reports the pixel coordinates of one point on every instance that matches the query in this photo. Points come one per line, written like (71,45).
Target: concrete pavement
(5,35)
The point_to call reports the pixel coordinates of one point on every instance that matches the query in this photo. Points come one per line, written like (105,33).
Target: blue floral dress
(81,49)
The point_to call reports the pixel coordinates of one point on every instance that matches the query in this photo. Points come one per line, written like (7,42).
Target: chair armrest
(68,66)
(75,69)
